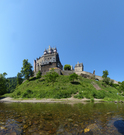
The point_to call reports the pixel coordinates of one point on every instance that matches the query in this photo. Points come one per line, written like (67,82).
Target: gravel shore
(44,100)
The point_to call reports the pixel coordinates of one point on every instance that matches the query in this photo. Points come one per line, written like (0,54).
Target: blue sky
(86,31)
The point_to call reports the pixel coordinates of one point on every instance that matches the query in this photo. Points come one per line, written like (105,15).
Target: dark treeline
(11,84)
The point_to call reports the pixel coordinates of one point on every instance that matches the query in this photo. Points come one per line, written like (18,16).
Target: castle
(50,59)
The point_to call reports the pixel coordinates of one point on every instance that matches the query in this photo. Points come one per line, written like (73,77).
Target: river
(61,119)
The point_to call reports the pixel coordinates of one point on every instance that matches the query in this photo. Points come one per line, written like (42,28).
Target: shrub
(100,94)
(104,84)
(106,80)
(51,76)
(92,100)
(73,76)
(38,75)
(27,94)
(67,67)
(62,94)
(18,93)
(111,82)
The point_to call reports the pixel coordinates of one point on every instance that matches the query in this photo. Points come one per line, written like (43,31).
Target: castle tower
(34,65)
(55,50)
(50,59)
(45,52)
(79,67)
(49,50)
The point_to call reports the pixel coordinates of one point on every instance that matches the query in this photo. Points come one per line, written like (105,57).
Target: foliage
(19,79)
(104,84)
(92,100)
(26,69)
(38,75)
(51,76)
(3,80)
(116,86)
(111,82)
(67,67)
(27,94)
(121,87)
(40,88)
(106,80)
(73,76)
(105,74)
(11,84)
(119,83)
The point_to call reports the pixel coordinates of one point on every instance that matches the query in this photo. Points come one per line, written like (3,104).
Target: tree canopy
(26,69)
(38,75)
(73,76)
(67,67)
(105,74)
(19,78)
(51,76)
(121,87)
(3,80)
(105,77)
(11,84)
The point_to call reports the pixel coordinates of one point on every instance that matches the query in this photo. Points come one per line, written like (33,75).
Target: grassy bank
(63,88)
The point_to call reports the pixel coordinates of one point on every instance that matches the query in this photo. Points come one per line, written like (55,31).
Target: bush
(63,94)
(18,93)
(104,84)
(51,76)
(73,76)
(106,80)
(100,94)
(92,100)
(38,75)
(27,94)
(67,67)
(111,82)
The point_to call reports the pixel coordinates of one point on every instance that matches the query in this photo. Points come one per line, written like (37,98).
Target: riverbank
(44,100)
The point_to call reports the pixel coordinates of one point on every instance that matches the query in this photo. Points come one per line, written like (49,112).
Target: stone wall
(78,69)
(96,76)
(45,68)
(66,72)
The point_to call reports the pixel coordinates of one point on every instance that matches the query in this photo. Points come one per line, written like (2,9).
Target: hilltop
(63,88)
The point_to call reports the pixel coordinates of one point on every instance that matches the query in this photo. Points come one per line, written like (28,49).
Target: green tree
(11,84)
(3,80)
(26,69)
(38,75)
(73,76)
(105,78)
(19,79)
(111,82)
(105,74)
(121,87)
(51,76)
(67,67)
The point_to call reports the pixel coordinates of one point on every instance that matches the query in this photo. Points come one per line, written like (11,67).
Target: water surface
(62,119)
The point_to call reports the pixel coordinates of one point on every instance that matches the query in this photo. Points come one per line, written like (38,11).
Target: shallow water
(61,119)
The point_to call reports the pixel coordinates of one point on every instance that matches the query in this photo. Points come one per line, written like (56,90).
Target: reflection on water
(61,119)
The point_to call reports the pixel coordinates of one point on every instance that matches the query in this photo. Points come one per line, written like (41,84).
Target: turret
(49,50)
(45,52)
(34,65)
(55,50)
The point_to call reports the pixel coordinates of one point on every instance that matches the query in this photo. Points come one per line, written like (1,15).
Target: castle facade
(50,59)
